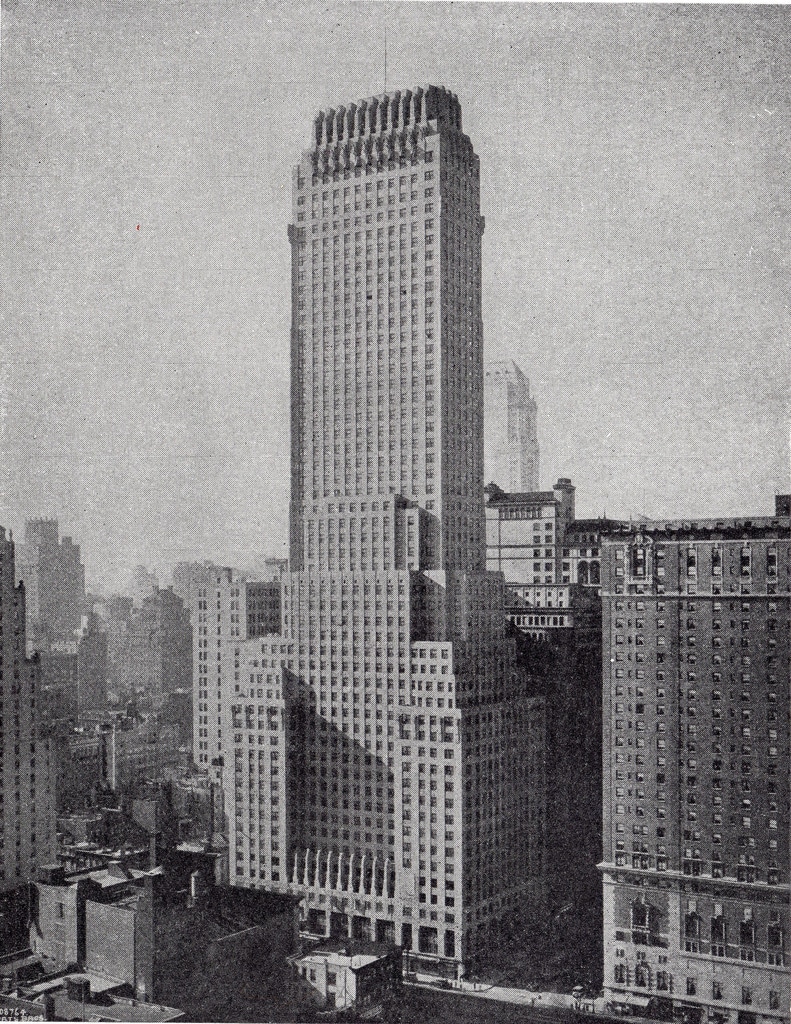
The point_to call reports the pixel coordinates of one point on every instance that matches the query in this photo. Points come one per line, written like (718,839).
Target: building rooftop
(593,525)
(150,1013)
(498,497)
(106,878)
(339,959)
(353,954)
(704,529)
(105,999)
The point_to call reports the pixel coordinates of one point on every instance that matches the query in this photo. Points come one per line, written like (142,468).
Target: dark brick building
(696,743)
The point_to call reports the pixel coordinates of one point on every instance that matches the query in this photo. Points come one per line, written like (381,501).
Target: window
(692,933)
(641,924)
(716,990)
(718,936)
(692,986)
(747,995)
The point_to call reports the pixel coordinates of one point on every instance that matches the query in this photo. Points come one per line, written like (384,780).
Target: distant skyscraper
(152,652)
(54,580)
(696,787)
(27,810)
(92,667)
(510,440)
(144,584)
(383,761)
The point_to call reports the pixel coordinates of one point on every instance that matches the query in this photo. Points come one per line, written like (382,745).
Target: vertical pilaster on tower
(393,673)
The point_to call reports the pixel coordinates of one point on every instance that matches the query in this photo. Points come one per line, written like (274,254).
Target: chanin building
(386,766)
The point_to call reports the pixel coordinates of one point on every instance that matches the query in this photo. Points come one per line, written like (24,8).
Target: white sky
(634,164)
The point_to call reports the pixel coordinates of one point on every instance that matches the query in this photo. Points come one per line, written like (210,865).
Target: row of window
(641,978)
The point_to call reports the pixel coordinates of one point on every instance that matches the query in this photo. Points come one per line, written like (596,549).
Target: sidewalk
(523,997)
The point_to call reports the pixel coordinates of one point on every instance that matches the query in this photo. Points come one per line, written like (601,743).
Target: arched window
(582,573)
(641,976)
(595,573)
(619,974)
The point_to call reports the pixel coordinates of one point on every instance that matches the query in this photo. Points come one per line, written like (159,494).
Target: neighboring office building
(137,938)
(54,579)
(226,610)
(117,755)
(541,611)
(525,533)
(696,787)
(551,561)
(113,611)
(136,752)
(78,767)
(510,443)
(27,811)
(383,741)
(535,540)
(176,709)
(581,552)
(102,920)
(58,686)
(525,537)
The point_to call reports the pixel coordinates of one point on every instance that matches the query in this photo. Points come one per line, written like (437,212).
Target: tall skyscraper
(54,579)
(385,765)
(696,788)
(510,439)
(27,811)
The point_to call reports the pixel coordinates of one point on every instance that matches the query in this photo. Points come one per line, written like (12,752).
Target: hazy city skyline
(632,184)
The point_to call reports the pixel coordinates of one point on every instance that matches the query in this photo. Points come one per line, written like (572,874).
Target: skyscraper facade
(54,579)
(218,628)
(385,765)
(696,789)
(27,811)
(225,610)
(511,458)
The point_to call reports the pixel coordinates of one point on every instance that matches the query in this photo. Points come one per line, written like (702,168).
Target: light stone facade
(386,766)
(511,455)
